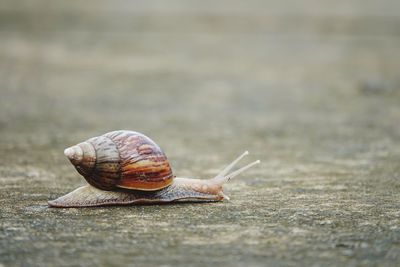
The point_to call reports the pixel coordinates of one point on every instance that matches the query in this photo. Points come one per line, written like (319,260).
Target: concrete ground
(311,88)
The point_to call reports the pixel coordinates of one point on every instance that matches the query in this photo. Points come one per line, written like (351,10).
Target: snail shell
(121,159)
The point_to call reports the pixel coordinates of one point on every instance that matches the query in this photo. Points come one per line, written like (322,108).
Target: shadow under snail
(126,167)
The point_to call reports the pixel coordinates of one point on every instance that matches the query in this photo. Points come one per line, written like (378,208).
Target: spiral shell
(121,159)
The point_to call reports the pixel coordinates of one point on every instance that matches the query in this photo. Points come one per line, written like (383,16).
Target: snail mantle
(126,167)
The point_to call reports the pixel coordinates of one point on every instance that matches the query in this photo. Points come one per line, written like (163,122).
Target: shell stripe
(143,164)
(107,167)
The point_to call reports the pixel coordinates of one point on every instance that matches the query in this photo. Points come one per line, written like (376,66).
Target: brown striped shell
(121,159)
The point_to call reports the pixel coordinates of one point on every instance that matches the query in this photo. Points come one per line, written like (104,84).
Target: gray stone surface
(309,87)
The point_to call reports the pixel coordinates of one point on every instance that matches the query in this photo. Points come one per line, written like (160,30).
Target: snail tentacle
(230,166)
(239,171)
(223,176)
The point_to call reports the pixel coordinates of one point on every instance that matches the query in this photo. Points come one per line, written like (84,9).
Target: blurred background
(309,87)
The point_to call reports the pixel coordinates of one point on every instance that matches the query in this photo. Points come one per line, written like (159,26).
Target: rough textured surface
(309,87)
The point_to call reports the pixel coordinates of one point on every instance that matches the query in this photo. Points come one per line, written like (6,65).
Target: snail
(125,167)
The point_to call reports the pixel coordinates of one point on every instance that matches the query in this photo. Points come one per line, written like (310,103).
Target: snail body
(126,167)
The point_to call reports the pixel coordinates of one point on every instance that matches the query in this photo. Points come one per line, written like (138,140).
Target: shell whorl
(121,159)
(83,157)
